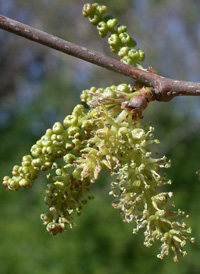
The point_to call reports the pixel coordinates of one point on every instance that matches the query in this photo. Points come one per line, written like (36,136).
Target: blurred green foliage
(41,86)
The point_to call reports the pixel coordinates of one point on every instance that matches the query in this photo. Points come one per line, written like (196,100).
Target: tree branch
(163,89)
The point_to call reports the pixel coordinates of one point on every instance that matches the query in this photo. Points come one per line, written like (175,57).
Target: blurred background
(39,86)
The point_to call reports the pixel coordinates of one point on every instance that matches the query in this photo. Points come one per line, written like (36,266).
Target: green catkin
(107,136)
(119,39)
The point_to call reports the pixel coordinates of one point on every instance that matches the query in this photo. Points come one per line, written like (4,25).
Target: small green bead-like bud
(124,37)
(126,60)
(6,181)
(73,132)
(57,128)
(69,147)
(87,125)
(101,9)
(133,54)
(102,26)
(88,10)
(95,5)
(16,170)
(110,93)
(50,150)
(113,40)
(123,88)
(95,19)
(37,162)
(78,110)
(121,28)
(111,23)
(123,51)
(36,150)
(49,132)
(26,160)
(13,184)
(25,183)
(141,56)
(70,120)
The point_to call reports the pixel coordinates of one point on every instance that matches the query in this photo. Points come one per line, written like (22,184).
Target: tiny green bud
(133,54)
(123,51)
(101,9)
(70,120)
(111,23)
(26,160)
(126,60)
(95,19)
(121,28)
(25,183)
(37,162)
(125,37)
(73,132)
(78,110)
(113,40)
(48,132)
(36,150)
(57,128)
(123,88)
(102,26)
(69,147)
(141,56)
(88,9)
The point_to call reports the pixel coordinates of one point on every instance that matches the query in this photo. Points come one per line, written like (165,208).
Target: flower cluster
(119,40)
(110,138)
(138,197)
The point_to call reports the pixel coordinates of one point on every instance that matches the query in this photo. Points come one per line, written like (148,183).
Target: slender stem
(164,89)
